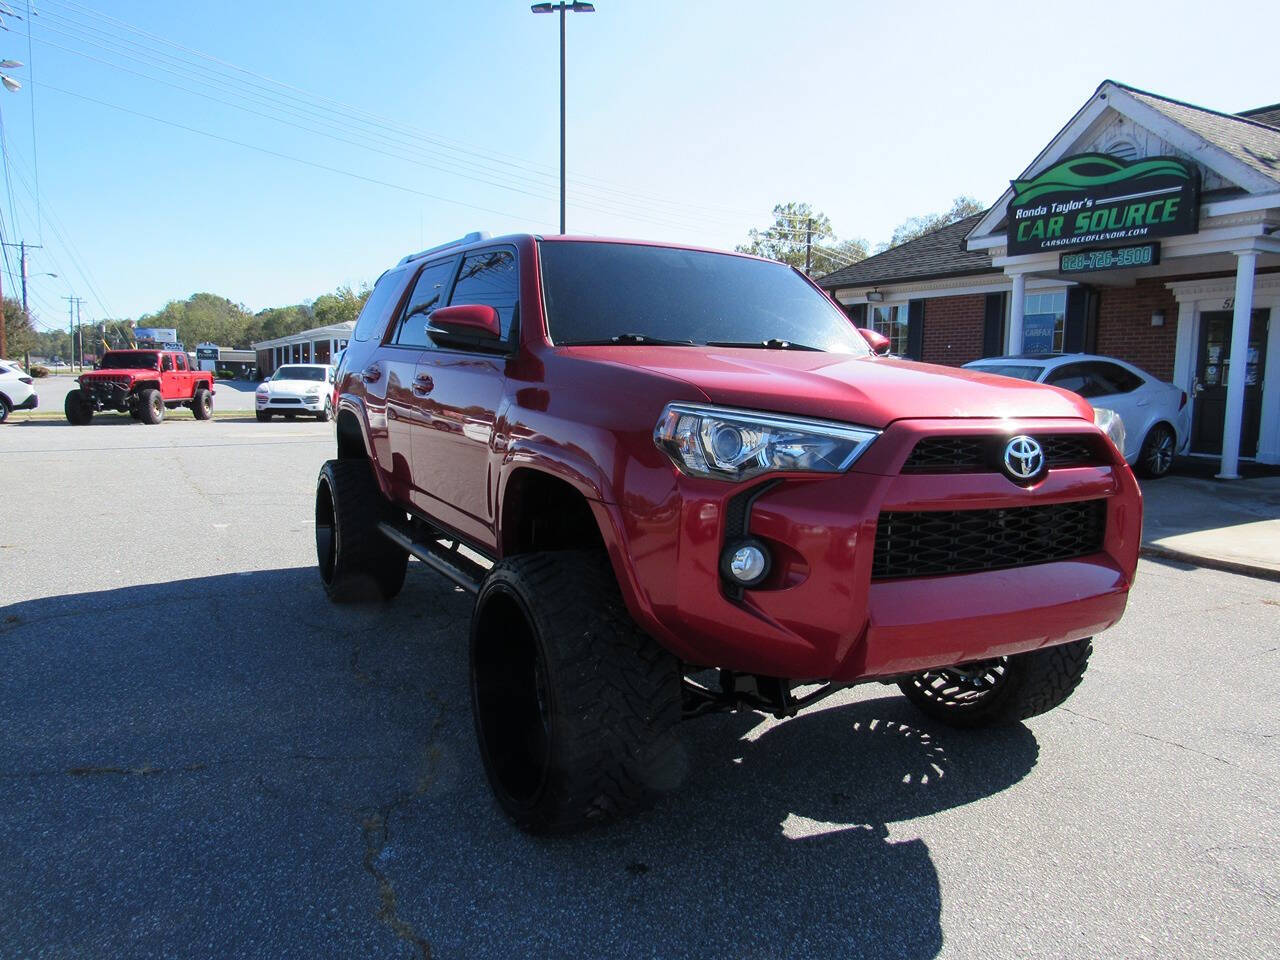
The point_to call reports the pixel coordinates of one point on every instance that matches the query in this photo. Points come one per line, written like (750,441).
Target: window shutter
(993,325)
(915,330)
(1075,330)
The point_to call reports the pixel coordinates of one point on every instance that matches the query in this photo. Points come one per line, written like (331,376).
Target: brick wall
(953,329)
(1125,330)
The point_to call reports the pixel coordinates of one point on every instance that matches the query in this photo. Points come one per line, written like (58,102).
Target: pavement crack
(1151,736)
(376,827)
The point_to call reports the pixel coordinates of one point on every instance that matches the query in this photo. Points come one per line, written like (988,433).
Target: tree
(961,207)
(19,334)
(203,318)
(784,240)
(342,305)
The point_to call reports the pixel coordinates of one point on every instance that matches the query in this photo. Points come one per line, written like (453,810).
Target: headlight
(1111,425)
(737,444)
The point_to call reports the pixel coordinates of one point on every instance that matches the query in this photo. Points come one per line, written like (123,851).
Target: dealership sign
(1094,198)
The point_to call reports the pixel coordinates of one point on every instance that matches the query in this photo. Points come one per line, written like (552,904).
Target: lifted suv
(680,481)
(142,383)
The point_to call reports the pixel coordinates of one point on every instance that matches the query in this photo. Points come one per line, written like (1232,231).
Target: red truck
(680,481)
(142,383)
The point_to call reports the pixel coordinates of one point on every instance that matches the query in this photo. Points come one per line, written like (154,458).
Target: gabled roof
(1251,140)
(941,253)
(1242,150)
(1268,115)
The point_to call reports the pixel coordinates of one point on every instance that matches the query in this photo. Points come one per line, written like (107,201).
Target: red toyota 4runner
(680,481)
(142,383)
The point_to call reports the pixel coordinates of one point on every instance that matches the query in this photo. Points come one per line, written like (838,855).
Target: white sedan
(1157,419)
(297,388)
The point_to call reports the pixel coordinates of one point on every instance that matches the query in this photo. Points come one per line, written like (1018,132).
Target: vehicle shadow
(231,761)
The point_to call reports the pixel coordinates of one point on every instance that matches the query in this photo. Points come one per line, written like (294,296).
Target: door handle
(371,374)
(423,384)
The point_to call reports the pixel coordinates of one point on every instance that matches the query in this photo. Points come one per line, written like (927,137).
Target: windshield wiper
(771,344)
(639,339)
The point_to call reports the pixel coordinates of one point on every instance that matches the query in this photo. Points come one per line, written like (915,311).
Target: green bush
(38,371)
(223,375)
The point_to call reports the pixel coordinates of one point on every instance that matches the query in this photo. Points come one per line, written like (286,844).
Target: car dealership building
(1146,230)
(317,345)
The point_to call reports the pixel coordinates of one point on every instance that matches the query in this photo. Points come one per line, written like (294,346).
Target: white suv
(297,388)
(17,390)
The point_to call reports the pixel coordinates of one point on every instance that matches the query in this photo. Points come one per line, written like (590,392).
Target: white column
(1017,305)
(1245,263)
(1184,351)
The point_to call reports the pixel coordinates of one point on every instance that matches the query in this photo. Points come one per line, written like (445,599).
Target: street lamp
(563,6)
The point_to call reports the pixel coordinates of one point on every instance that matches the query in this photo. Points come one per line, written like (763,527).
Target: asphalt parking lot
(228,394)
(201,757)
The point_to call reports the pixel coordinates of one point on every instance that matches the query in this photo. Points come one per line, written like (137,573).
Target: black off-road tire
(202,404)
(1155,459)
(263,416)
(150,406)
(1002,691)
(357,563)
(574,706)
(78,412)
(135,412)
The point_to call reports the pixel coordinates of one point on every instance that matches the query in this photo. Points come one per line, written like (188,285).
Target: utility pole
(23,247)
(808,246)
(73,321)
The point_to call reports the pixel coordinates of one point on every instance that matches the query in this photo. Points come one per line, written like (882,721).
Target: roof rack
(475,236)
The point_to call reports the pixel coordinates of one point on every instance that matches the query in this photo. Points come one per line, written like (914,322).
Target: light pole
(13,86)
(563,6)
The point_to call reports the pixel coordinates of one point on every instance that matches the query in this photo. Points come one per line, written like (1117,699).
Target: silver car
(1157,418)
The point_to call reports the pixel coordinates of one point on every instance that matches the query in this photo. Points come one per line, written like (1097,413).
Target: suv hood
(295,386)
(130,372)
(872,391)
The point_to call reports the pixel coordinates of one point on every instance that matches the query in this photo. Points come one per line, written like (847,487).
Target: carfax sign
(1094,198)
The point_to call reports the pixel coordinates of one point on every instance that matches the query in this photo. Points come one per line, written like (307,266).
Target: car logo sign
(1023,458)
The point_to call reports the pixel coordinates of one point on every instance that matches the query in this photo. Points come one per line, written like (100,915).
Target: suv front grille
(927,543)
(981,454)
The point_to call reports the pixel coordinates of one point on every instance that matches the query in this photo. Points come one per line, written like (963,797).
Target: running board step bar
(447,560)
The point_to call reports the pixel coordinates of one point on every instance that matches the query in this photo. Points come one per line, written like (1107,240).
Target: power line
(35,152)
(297,95)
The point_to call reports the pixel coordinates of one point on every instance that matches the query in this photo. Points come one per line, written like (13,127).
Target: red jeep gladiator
(680,481)
(141,383)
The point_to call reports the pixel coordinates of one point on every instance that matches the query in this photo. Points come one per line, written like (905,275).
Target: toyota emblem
(1023,458)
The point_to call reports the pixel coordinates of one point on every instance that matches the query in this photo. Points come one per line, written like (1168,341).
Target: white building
(318,345)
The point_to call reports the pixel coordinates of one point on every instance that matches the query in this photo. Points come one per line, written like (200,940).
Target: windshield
(129,360)
(1010,370)
(300,373)
(628,293)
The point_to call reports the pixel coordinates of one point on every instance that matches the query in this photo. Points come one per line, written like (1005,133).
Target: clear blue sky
(691,119)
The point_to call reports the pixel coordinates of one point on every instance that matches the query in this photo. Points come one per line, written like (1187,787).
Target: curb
(1211,563)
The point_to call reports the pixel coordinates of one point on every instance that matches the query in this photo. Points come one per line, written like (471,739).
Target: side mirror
(878,342)
(466,319)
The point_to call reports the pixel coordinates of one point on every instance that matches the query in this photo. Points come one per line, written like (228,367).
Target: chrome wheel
(1157,452)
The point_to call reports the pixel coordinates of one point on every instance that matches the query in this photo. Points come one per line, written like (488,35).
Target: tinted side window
(1116,378)
(1071,377)
(490,277)
(181,360)
(166,364)
(428,293)
(385,292)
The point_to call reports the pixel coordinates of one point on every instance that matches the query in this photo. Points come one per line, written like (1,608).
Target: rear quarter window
(377,309)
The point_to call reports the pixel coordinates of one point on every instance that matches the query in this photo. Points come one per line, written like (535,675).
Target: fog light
(745,564)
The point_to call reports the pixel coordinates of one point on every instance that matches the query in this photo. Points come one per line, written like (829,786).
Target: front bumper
(105,394)
(280,404)
(821,614)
